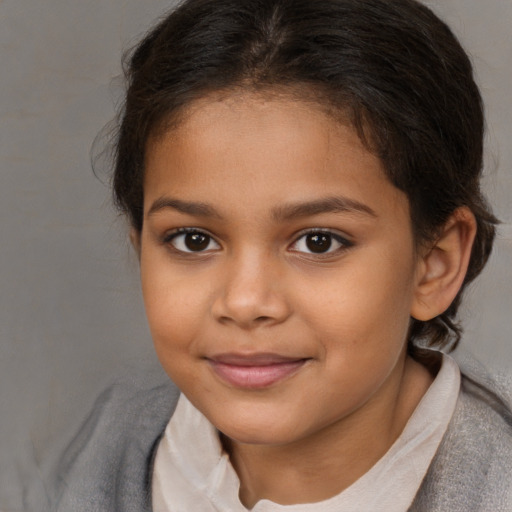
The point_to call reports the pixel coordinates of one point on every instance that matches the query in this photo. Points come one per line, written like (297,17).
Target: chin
(259,437)
(260,431)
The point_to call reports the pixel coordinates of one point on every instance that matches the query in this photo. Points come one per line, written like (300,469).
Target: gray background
(71,316)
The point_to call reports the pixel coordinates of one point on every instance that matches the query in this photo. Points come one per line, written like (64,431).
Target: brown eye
(192,241)
(318,242)
(196,241)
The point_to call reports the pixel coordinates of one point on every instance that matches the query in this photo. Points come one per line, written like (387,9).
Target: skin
(240,170)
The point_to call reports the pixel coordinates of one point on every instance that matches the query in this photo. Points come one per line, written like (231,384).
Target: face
(278,267)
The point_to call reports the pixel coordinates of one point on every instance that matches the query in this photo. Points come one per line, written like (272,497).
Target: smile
(254,372)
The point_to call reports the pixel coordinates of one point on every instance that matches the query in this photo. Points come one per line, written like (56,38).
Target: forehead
(263,150)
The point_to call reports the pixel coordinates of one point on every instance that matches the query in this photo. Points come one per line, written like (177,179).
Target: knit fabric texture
(107,467)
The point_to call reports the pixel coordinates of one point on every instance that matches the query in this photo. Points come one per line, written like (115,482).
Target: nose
(252,293)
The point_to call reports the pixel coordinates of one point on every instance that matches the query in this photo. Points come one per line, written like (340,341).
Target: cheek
(368,305)
(173,325)
(175,306)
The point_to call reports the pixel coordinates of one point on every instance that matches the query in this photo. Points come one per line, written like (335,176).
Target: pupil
(319,242)
(196,241)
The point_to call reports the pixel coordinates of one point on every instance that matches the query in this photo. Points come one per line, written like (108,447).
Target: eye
(191,240)
(320,242)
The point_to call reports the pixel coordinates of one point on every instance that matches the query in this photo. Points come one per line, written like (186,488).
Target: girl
(302,183)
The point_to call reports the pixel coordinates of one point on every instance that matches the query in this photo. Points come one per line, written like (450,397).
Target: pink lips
(256,371)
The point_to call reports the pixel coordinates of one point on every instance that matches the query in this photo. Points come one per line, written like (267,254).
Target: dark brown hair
(392,66)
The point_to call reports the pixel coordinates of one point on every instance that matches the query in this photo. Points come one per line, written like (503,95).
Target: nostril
(249,304)
(262,319)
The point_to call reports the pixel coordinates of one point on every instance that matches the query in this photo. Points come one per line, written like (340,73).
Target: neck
(324,464)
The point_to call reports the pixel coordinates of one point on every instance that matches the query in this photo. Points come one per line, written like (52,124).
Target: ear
(443,266)
(135,240)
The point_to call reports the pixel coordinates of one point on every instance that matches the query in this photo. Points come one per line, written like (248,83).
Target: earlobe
(442,269)
(135,241)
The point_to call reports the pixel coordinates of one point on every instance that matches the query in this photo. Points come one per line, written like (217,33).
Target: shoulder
(472,469)
(106,466)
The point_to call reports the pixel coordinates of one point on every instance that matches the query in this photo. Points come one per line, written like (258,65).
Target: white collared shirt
(193,473)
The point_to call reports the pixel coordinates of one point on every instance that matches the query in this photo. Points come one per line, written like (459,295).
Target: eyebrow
(325,205)
(281,213)
(188,207)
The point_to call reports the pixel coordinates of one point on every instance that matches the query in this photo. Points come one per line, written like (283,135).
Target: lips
(254,371)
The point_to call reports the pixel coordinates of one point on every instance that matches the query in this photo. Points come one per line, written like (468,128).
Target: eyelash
(343,243)
(170,237)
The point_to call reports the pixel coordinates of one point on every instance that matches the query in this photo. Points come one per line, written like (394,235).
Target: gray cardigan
(107,466)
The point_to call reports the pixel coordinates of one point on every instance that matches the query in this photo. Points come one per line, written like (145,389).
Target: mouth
(256,371)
